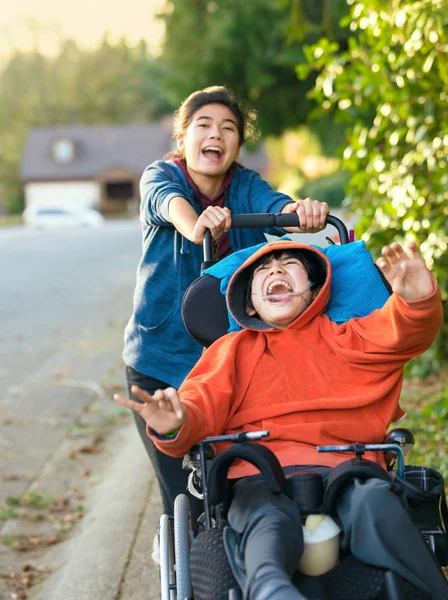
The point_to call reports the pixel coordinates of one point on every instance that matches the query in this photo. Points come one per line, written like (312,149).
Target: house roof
(98,148)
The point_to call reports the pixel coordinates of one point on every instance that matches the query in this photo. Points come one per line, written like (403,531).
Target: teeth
(214,148)
(278,283)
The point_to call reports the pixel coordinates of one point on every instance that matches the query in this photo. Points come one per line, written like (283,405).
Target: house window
(63,150)
(120,190)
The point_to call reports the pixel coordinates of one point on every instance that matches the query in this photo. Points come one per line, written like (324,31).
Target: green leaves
(389,86)
(252,47)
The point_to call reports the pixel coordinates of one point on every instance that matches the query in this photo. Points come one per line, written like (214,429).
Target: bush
(329,189)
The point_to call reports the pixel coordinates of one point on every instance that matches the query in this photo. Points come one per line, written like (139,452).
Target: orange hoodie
(314,383)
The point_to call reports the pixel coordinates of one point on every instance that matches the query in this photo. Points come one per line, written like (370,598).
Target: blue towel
(356,290)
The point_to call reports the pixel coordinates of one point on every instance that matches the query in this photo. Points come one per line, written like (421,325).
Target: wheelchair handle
(267,220)
(372,447)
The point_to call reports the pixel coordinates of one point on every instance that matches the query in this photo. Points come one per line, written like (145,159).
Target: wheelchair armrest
(255,454)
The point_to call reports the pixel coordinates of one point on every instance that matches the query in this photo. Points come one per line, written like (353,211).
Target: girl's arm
(163,202)
(263,198)
(185,219)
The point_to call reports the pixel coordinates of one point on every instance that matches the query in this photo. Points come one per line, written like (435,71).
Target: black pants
(376,528)
(171,477)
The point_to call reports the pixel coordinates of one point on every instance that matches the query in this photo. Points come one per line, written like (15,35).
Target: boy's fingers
(178,408)
(158,396)
(396,254)
(398,251)
(414,251)
(142,395)
(135,406)
(391,253)
(382,264)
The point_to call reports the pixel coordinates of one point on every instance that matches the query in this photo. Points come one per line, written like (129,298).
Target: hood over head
(237,291)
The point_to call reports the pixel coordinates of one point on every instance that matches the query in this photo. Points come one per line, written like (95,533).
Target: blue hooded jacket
(156,342)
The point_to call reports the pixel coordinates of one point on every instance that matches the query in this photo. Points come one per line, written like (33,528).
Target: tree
(112,84)
(250,47)
(389,87)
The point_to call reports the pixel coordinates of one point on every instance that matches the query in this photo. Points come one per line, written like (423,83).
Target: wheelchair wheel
(182,547)
(167,576)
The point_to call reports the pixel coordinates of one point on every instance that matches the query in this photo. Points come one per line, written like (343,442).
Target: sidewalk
(109,556)
(79,504)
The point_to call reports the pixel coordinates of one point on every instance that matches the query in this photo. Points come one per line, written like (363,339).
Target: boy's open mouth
(213,152)
(278,290)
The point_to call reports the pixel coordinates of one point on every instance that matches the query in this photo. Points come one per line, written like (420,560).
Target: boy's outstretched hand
(406,273)
(163,411)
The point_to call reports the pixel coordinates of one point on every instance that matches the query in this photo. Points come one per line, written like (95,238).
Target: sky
(25,24)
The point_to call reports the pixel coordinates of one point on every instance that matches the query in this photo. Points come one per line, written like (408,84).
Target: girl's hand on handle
(312,215)
(163,411)
(407,273)
(215,218)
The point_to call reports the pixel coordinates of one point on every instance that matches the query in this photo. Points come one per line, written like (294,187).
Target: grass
(31,500)
(426,403)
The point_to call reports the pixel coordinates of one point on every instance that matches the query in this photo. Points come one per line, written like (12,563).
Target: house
(99,165)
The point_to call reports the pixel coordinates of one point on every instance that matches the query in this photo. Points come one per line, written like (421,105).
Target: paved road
(65,298)
(56,285)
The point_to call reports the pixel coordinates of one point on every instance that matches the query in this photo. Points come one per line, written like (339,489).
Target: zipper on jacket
(184,244)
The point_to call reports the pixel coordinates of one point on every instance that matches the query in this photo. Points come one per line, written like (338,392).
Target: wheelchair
(193,560)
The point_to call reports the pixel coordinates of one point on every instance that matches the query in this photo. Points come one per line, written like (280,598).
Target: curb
(95,559)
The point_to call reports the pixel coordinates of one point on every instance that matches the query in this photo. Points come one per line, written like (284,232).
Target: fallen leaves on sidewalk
(48,513)
(62,513)
(26,543)
(27,577)
(92,448)
(13,477)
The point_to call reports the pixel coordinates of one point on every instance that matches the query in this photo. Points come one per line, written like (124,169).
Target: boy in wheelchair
(308,381)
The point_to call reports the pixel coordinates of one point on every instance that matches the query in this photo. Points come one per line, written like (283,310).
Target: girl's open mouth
(213,153)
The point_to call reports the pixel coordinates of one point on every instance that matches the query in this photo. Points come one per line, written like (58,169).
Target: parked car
(45,217)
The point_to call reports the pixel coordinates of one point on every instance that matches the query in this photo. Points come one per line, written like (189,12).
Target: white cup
(321,545)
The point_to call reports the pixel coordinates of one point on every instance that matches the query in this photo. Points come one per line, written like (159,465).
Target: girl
(195,189)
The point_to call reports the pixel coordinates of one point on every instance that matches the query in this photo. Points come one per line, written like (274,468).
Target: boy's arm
(178,420)
(410,320)
(208,393)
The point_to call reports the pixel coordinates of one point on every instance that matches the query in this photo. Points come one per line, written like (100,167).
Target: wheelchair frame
(176,534)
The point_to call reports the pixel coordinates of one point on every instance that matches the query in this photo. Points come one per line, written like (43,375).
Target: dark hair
(246,118)
(309,260)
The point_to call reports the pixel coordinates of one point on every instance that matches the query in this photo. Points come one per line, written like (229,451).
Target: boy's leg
(271,539)
(171,477)
(378,531)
